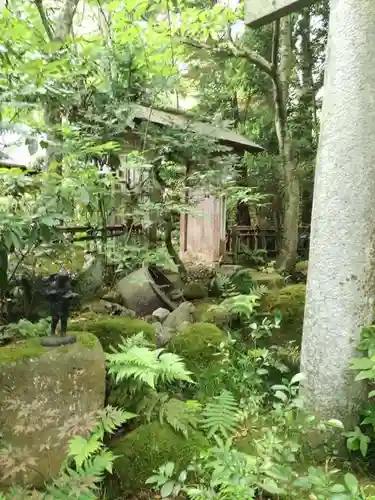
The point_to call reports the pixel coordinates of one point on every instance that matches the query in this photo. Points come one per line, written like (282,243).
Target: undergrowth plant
(88,459)
(24,329)
(362,437)
(270,466)
(146,378)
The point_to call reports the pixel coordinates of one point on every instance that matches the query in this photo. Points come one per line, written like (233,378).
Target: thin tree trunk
(52,115)
(341,275)
(171,250)
(291,209)
(289,242)
(307,103)
(155,198)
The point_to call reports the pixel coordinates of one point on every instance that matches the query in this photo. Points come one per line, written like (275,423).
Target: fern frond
(179,415)
(83,482)
(146,366)
(137,340)
(221,415)
(151,402)
(19,493)
(80,449)
(172,368)
(243,305)
(110,419)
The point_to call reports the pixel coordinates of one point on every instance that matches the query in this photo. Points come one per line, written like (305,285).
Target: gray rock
(185,312)
(105,307)
(160,314)
(149,318)
(183,325)
(163,334)
(113,296)
(175,295)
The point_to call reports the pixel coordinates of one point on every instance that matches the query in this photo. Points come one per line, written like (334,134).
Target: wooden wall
(204,231)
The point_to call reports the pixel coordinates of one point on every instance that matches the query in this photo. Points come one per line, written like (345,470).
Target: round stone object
(47,396)
(57,340)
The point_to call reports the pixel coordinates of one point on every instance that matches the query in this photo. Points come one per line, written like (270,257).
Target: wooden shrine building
(204,232)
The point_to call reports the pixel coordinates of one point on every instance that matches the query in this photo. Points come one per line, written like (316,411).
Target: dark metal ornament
(60,295)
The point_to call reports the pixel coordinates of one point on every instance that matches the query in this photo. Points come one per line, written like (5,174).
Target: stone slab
(47,396)
(261,12)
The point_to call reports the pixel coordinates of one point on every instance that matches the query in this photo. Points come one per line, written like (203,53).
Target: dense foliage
(222,396)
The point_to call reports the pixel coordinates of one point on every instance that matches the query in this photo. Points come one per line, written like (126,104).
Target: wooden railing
(247,238)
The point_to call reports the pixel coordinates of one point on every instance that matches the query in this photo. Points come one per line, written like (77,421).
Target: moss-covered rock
(31,348)
(201,306)
(206,312)
(147,448)
(110,329)
(217,316)
(271,280)
(195,290)
(243,277)
(290,301)
(46,397)
(198,345)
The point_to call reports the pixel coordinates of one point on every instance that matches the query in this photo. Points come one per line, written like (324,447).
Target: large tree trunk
(291,191)
(341,279)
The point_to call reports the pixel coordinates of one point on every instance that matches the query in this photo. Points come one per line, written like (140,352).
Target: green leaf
(363,445)
(49,221)
(167,489)
(337,488)
(351,483)
(361,364)
(271,487)
(84,196)
(182,477)
(302,482)
(279,387)
(281,395)
(364,375)
(169,468)
(297,378)
(335,423)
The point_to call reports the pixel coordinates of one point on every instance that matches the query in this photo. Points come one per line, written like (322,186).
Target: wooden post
(259,13)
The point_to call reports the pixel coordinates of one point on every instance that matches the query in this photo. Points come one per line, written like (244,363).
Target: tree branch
(232,50)
(43,17)
(275,42)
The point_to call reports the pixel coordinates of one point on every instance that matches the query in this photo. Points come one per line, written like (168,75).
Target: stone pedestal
(47,396)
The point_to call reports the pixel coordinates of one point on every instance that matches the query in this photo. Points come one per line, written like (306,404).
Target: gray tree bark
(291,188)
(341,280)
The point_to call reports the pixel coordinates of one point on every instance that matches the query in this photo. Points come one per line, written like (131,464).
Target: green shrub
(290,301)
(110,329)
(198,345)
(147,448)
